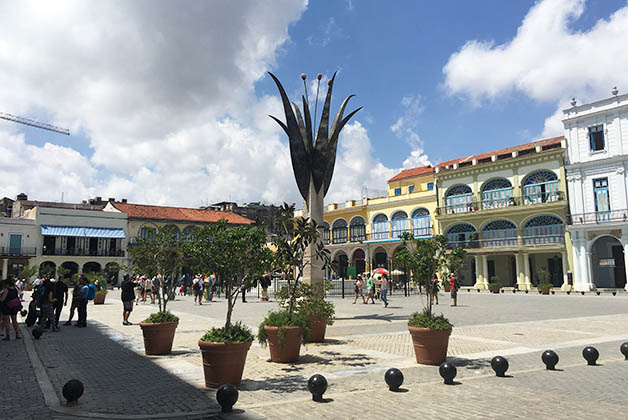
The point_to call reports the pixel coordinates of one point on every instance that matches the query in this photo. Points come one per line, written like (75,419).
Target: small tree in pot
(283,330)
(100,286)
(237,256)
(161,255)
(424,258)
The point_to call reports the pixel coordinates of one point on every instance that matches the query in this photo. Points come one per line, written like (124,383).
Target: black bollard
(317,384)
(582,293)
(597,293)
(394,379)
(591,355)
(550,358)
(37,332)
(72,390)
(227,396)
(447,372)
(624,349)
(526,292)
(499,365)
(568,292)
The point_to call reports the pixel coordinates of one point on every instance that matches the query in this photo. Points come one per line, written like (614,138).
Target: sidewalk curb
(54,404)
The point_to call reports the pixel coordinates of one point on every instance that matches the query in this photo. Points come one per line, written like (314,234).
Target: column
(478,273)
(563,256)
(526,272)
(521,285)
(5,268)
(583,281)
(484,272)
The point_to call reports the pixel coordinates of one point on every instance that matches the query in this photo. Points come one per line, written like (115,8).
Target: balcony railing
(598,217)
(494,199)
(503,202)
(17,251)
(76,252)
(418,226)
(544,240)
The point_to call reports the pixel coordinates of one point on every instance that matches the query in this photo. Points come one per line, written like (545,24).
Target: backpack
(40,292)
(91,292)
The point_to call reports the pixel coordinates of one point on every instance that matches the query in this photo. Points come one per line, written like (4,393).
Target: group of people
(376,288)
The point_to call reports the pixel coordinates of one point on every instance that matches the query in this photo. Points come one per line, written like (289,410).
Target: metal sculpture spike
(311,160)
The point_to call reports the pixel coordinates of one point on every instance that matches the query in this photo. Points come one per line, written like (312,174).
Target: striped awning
(82,231)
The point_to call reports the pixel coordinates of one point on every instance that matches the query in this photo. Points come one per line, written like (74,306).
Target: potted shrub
(544,281)
(424,258)
(494,286)
(160,255)
(237,256)
(99,284)
(319,312)
(545,288)
(283,330)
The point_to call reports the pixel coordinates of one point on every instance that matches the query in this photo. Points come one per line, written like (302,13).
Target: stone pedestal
(313,209)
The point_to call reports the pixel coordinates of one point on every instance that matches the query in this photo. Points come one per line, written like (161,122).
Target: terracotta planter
(447,288)
(430,346)
(318,326)
(495,291)
(545,291)
(287,352)
(99,298)
(223,363)
(158,338)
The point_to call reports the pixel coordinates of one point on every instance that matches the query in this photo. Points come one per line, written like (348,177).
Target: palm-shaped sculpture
(312,161)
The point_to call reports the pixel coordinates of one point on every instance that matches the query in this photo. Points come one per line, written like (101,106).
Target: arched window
(499,233)
(400,223)
(540,187)
(339,232)
(147,233)
(460,234)
(380,227)
(326,233)
(357,229)
(496,193)
(188,233)
(458,199)
(421,222)
(544,229)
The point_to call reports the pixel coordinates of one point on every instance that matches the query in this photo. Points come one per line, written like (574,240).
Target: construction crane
(33,123)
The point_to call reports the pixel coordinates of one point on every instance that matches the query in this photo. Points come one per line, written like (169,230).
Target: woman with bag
(358,290)
(10,305)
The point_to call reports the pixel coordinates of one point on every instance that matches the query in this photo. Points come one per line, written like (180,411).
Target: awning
(82,231)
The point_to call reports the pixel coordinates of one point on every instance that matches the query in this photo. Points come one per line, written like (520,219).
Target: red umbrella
(380,270)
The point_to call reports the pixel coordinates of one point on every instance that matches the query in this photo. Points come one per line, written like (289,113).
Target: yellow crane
(33,123)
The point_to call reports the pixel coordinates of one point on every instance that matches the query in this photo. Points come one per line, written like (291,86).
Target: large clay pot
(158,337)
(99,298)
(318,325)
(223,363)
(545,291)
(287,352)
(430,346)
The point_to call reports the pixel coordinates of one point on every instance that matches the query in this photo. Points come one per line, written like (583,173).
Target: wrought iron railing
(18,251)
(543,239)
(598,217)
(487,205)
(84,252)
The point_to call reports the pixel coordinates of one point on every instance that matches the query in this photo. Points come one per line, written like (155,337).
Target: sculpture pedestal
(313,209)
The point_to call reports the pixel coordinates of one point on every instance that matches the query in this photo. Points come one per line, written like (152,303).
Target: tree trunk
(230,304)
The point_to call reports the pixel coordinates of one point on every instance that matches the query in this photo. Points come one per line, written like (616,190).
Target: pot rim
(288,327)
(202,344)
(419,329)
(153,324)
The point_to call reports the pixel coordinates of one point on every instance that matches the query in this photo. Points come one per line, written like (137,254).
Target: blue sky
(169,104)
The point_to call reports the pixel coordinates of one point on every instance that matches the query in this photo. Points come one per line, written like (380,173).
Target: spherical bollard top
(72,390)
(227,396)
(624,349)
(319,76)
(303,76)
(550,358)
(448,372)
(317,384)
(393,378)
(499,365)
(37,332)
(591,355)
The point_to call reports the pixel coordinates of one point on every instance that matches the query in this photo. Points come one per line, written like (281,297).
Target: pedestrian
(434,290)
(148,289)
(127,296)
(358,290)
(453,289)
(197,286)
(10,305)
(370,289)
(243,290)
(82,303)
(46,301)
(384,290)
(181,285)
(206,287)
(61,298)
(76,292)
(19,285)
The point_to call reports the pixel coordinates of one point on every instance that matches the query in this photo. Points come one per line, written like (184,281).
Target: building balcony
(598,217)
(339,236)
(18,251)
(507,240)
(75,252)
(497,203)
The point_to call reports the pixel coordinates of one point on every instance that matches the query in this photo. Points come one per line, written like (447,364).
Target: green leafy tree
(161,255)
(28,271)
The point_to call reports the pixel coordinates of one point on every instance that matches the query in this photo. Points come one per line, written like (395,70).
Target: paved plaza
(121,382)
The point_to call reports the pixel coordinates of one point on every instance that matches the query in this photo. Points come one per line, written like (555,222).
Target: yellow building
(508,208)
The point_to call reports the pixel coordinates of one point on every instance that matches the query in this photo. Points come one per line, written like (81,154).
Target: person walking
(243,290)
(82,303)
(358,289)
(453,289)
(148,289)
(434,290)
(370,288)
(10,305)
(47,301)
(127,296)
(61,298)
(197,286)
(384,290)
(76,292)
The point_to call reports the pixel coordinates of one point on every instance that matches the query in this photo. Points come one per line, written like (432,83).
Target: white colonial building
(597,158)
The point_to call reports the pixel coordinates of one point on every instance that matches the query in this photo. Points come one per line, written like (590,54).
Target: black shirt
(47,288)
(128,291)
(60,289)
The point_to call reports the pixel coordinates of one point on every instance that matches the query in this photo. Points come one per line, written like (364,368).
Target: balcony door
(15,243)
(602,205)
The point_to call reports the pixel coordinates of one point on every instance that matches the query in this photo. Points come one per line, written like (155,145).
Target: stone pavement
(364,342)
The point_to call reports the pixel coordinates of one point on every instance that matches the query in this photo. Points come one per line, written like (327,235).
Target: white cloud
(326,33)
(547,60)
(406,128)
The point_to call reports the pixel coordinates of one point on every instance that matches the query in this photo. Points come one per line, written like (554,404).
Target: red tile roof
(409,173)
(528,146)
(142,211)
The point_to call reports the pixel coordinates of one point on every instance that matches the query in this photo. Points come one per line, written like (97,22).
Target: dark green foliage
(283,319)
(236,333)
(428,320)
(161,317)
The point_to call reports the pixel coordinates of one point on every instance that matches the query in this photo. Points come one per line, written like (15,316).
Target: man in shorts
(128,296)
(198,289)
(453,289)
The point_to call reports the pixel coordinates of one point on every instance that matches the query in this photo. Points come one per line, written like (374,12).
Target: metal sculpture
(312,161)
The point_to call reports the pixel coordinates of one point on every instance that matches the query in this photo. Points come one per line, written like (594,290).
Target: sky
(168,102)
